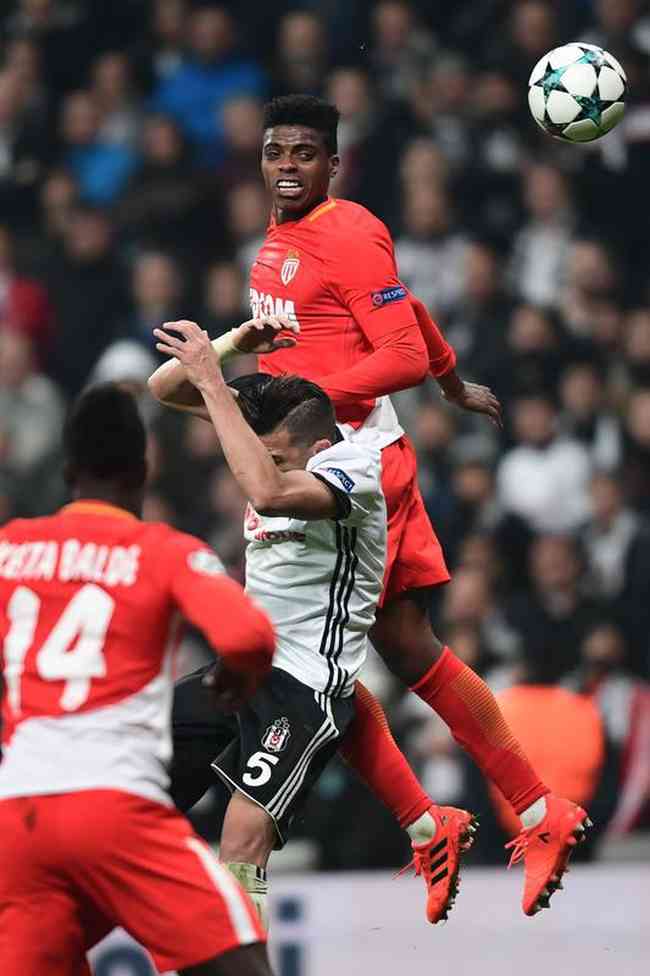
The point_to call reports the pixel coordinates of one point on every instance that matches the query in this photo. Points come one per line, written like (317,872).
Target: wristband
(225,347)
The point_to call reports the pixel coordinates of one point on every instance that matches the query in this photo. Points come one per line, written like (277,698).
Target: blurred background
(130,195)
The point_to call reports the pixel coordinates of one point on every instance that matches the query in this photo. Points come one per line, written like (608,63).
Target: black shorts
(287,735)
(200,733)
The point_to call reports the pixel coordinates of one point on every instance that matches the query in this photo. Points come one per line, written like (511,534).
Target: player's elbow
(155,386)
(413,357)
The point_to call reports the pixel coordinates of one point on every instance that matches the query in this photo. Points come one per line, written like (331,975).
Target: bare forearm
(450,384)
(249,461)
(170,385)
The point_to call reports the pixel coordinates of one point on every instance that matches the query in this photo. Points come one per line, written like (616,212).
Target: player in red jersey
(327,268)
(90,602)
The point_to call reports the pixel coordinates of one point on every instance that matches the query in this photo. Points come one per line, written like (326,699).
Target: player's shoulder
(345,216)
(23,529)
(356,466)
(175,546)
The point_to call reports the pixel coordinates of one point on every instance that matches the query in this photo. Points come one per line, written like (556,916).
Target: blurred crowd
(130,195)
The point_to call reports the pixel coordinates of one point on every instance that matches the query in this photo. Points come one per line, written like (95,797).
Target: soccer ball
(577,92)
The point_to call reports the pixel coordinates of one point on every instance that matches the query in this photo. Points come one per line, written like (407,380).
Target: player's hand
(265,334)
(230,689)
(476,399)
(191,346)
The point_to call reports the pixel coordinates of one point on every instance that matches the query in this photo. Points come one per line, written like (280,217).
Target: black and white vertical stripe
(338,610)
(291,786)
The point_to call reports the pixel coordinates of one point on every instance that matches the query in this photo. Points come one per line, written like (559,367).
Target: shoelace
(519,845)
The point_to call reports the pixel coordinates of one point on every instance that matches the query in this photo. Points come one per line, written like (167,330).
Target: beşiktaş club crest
(277,735)
(289,269)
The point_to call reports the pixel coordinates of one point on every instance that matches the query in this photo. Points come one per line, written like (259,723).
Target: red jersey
(361,334)
(90,605)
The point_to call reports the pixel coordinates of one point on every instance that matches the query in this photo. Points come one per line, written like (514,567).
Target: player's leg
(247,961)
(144,868)
(438,834)
(40,924)
(288,734)
(403,636)
(247,838)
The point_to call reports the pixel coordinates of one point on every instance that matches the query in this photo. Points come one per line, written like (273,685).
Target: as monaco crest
(290,267)
(277,735)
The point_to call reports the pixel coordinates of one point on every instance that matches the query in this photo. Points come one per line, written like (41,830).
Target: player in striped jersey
(316,533)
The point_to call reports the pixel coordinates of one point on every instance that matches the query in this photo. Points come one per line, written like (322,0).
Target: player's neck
(113,495)
(284,216)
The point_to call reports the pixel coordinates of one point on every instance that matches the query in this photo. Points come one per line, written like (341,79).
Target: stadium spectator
(401,48)
(540,253)
(624,705)
(301,57)
(368,130)
(101,168)
(159,51)
(88,291)
(247,219)
(636,454)
(212,72)
(223,304)
(592,278)
(476,323)
(25,149)
(156,295)
(24,304)
(554,615)
(586,417)
(112,90)
(544,477)
(431,250)
(31,407)
(469,601)
(242,126)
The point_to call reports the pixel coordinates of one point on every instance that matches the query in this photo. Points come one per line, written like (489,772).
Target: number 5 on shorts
(263,763)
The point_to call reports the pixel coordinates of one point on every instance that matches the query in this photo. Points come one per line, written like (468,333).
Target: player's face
(297,169)
(287,455)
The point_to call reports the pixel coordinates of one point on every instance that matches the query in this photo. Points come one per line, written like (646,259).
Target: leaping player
(327,268)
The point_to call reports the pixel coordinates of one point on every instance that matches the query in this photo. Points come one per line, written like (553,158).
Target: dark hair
(104,436)
(269,402)
(307,110)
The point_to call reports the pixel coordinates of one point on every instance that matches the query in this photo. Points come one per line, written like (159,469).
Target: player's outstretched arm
(270,491)
(170,385)
(442,366)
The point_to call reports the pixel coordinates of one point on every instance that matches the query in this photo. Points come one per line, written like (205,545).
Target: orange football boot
(545,850)
(438,860)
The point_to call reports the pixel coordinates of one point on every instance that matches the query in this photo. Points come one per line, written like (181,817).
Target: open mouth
(289,188)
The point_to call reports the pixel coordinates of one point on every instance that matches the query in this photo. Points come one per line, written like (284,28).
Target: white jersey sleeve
(354,473)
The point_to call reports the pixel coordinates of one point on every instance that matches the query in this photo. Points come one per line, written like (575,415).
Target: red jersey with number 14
(90,605)
(334,272)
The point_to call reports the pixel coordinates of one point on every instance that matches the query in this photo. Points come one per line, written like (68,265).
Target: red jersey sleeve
(236,628)
(363,276)
(442,356)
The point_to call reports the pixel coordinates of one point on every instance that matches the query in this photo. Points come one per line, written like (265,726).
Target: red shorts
(414,556)
(76,865)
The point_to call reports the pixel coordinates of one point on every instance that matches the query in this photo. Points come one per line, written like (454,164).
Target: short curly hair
(308,110)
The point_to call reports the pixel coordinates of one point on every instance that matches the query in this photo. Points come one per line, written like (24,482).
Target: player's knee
(248,834)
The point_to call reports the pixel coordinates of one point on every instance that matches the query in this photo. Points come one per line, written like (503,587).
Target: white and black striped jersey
(320,581)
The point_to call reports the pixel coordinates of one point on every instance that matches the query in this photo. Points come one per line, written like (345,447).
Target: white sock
(423,829)
(253,880)
(534,814)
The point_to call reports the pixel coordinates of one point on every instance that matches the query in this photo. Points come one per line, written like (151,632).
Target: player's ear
(320,445)
(335,162)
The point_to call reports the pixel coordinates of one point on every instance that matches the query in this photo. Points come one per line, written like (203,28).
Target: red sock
(469,708)
(371,750)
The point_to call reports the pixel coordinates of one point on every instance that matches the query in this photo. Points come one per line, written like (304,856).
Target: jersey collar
(311,215)
(90,506)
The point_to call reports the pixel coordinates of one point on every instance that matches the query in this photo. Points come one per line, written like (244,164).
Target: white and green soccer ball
(577,92)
